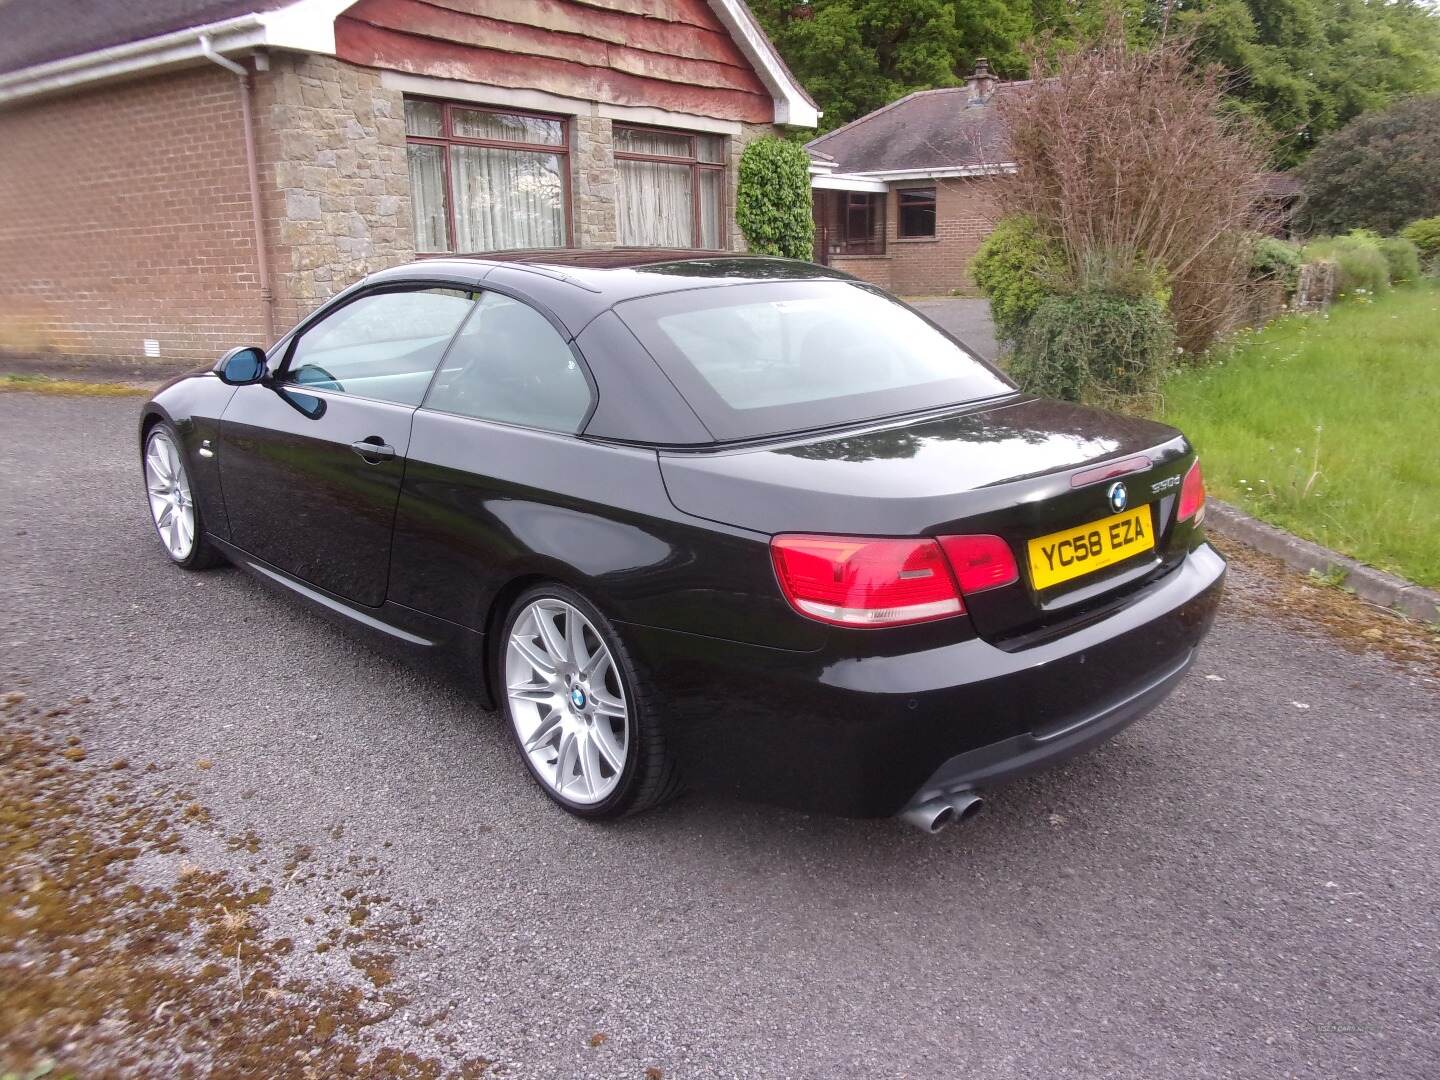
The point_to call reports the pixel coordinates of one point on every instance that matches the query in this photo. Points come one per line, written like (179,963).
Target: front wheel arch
(151,417)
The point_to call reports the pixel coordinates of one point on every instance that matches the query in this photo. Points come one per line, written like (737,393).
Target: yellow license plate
(1071,553)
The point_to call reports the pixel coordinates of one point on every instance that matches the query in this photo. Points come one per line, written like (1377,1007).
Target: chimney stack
(982,83)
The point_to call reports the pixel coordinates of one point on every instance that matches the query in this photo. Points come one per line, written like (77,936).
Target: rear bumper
(863,735)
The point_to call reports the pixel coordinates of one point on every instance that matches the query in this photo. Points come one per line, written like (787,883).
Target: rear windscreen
(766,358)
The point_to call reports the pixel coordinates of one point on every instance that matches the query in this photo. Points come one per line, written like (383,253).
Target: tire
(170,498)
(574,766)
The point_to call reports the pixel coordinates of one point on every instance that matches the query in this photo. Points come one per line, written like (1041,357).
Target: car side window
(383,345)
(510,364)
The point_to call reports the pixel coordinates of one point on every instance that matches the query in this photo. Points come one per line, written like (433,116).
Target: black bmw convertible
(730,521)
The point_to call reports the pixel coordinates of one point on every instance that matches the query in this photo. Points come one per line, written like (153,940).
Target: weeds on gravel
(1310,606)
(43,384)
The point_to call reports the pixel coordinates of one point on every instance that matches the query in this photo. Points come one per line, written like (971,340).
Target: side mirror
(242,366)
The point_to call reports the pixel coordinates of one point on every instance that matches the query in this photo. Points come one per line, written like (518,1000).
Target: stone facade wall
(334,179)
(337,190)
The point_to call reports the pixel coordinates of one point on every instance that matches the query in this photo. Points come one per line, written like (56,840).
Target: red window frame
(448,138)
(696,167)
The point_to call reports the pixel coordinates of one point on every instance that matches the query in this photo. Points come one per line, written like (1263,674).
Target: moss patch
(42,384)
(107,973)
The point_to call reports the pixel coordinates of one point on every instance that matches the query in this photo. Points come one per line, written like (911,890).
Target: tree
(1379,172)
(856,55)
(1130,163)
(1303,67)
(1306,67)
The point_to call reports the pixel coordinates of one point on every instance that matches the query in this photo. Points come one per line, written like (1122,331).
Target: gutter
(262,260)
(301,26)
(938,172)
(238,33)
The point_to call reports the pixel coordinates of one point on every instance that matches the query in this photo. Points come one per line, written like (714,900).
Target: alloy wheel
(168,487)
(567,701)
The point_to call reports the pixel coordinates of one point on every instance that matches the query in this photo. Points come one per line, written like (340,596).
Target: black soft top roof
(576,285)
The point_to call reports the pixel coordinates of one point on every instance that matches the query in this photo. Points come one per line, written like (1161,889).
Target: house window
(672,188)
(849,222)
(486,180)
(917,213)
(865,222)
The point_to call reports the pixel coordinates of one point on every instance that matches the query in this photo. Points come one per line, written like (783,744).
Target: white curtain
(655,204)
(427,197)
(506,199)
(711,184)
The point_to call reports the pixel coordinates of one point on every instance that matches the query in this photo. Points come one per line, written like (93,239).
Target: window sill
(917,239)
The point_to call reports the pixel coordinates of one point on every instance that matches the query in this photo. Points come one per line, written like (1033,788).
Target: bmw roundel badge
(1118,496)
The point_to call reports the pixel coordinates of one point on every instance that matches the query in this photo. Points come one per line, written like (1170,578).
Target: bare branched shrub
(1133,163)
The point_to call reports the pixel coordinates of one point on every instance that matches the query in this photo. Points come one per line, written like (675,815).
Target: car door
(311,460)
(496,474)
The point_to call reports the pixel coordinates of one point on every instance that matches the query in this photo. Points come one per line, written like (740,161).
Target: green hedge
(772,199)
(1273,259)
(1014,268)
(1425,235)
(1403,259)
(1094,346)
(1361,266)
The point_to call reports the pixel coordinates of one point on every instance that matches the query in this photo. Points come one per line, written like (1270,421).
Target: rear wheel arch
(656,776)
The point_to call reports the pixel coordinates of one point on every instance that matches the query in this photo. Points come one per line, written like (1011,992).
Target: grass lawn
(1329,426)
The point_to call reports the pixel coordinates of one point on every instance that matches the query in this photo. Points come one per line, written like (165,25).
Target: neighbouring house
(181,176)
(904,195)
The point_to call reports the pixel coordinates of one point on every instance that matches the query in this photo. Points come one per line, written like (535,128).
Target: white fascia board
(304,26)
(940,173)
(791,106)
(844,182)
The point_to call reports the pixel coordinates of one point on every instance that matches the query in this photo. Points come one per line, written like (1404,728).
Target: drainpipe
(262,261)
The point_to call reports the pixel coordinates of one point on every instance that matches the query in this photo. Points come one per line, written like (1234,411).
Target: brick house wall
(125,216)
(965,211)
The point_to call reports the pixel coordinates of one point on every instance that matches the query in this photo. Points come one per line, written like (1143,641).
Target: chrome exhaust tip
(966,804)
(932,815)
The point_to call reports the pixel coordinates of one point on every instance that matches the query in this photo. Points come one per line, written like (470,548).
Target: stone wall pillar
(334,178)
(594,182)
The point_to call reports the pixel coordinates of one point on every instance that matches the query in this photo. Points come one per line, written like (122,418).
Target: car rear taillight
(1192,495)
(867,581)
(980,562)
(855,581)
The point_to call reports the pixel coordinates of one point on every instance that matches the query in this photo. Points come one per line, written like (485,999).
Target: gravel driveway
(1245,884)
(966,318)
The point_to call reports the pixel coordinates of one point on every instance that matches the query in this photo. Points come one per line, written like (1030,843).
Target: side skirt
(393,627)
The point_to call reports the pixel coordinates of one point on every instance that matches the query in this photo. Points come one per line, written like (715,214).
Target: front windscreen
(773,357)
